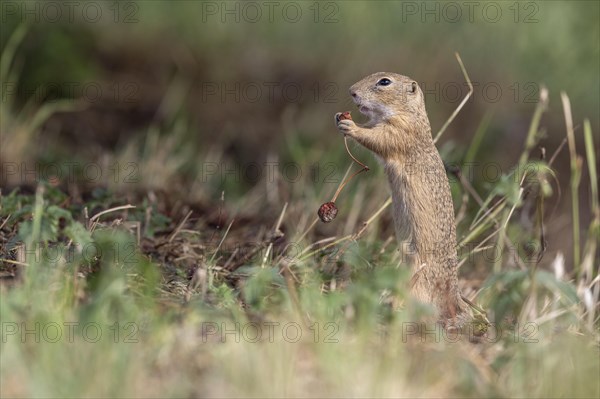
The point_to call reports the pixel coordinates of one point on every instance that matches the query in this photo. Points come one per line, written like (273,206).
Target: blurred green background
(247,76)
(177,88)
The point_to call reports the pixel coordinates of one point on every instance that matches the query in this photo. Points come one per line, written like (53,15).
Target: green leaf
(54,212)
(78,233)
(551,283)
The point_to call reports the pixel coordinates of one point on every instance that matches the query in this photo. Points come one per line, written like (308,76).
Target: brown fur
(398,132)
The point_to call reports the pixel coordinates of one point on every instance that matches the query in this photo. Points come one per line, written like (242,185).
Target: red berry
(327,212)
(344,115)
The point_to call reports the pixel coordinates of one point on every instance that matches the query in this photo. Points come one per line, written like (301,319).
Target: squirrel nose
(353,93)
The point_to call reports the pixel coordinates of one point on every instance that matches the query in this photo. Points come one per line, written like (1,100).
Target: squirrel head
(390,98)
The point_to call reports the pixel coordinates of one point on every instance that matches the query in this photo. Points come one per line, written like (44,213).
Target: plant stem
(365,168)
(575,178)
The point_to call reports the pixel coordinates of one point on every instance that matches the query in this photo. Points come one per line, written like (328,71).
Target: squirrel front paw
(347,127)
(344,123)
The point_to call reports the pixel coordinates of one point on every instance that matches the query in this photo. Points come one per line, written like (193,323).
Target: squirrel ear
(413,87)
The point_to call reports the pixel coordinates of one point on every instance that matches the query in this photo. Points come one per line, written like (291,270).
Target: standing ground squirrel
(398,132)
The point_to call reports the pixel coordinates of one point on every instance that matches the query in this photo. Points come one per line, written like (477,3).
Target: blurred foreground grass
(89,311)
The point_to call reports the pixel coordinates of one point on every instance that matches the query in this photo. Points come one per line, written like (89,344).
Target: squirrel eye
(384,82)
(413,87)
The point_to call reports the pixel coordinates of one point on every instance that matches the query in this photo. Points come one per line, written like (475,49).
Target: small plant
(328,211)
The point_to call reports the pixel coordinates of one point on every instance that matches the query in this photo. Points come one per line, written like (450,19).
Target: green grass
(160,336)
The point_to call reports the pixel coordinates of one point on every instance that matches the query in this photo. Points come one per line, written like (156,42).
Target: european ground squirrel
(398,132)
